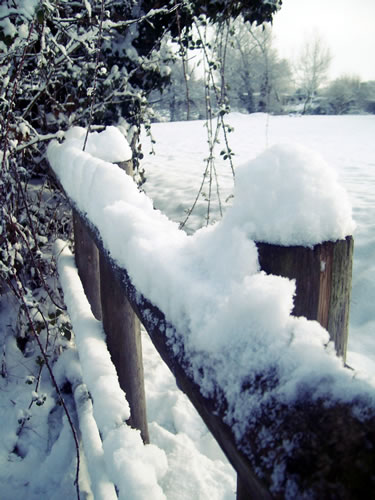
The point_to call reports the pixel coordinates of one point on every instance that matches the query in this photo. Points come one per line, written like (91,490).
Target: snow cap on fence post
(292,197)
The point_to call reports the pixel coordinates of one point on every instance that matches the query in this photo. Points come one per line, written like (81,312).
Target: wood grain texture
(323,277)
(87,261)
(123,335)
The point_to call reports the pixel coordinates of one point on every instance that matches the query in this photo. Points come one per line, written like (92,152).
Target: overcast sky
(346,26)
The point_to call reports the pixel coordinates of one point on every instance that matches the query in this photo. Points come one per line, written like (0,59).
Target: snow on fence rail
(292,420)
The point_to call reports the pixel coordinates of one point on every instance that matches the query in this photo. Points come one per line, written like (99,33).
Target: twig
(146,17)
(39,138)
(41,277)
(219,98)
(184,63)
(13,96)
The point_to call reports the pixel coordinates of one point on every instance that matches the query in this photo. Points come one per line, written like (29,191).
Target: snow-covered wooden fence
(122,308)
(312,447)
(319,423)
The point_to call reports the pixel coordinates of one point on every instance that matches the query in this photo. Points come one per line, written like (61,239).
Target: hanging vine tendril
(93,89)
(214,121)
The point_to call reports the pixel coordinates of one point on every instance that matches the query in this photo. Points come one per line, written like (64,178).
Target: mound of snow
(289,195)
(109,145)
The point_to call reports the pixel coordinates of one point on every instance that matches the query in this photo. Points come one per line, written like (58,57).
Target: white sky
(346,26)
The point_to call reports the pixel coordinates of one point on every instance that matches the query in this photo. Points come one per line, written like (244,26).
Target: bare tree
(255,74)
(311,69)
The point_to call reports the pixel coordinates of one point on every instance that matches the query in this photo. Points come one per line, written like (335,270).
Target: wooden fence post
(87,262)
(121,325)
(123,334)
(323,277)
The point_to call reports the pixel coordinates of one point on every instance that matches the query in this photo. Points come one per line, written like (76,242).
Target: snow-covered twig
(5,138)
(93,94)
(40,138)
(152,13)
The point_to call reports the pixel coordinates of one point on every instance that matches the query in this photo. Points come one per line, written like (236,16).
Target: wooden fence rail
(337,454)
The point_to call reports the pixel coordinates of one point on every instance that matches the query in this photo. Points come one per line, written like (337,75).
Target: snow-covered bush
(70,63)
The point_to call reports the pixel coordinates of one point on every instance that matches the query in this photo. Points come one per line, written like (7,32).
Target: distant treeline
(242,71)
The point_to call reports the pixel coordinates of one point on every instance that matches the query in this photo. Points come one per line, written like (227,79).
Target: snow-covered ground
(196,467)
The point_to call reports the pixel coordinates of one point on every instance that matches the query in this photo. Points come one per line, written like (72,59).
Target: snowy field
(43,464)
(347,143)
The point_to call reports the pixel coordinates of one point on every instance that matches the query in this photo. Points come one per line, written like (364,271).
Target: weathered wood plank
(242,492)
(338,322)
(123,335)
(323,277)
(87,262)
